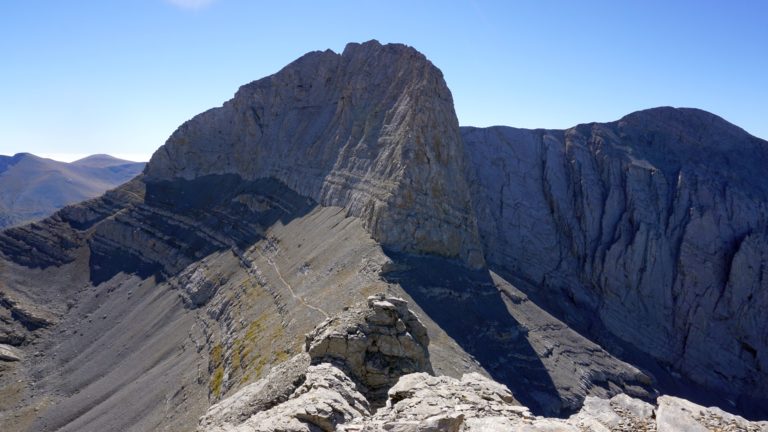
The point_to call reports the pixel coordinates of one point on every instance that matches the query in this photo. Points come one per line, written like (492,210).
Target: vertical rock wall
(372,130)
(656,223)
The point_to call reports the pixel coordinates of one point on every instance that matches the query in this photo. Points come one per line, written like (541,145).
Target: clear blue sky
(118,76)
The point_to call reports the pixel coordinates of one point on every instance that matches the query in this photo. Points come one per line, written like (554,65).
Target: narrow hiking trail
(288,285)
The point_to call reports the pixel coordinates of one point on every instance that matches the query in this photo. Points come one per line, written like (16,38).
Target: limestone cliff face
(372,130)
(655,223)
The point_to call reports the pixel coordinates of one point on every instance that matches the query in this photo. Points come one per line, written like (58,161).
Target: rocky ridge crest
(322,390)
(350,362)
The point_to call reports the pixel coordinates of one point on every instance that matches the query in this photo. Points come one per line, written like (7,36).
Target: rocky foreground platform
(381,348)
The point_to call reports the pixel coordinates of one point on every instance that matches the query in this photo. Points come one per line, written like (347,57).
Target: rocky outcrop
(377,344)
(327,396)
(655,223)
(260,396)
(350,363)
(675,414)
(475,403)
(372,130)
(421,402)
(9,353)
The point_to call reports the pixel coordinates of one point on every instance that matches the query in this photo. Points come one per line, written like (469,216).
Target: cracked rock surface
(9,353)
(314,392)
(656,224)
(379,138)
(377,344)
(327,397)
(351,361)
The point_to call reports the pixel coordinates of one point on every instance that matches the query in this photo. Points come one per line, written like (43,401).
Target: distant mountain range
(32,187)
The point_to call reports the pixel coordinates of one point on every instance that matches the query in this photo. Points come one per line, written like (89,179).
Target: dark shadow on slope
(666,381)
(182,221)
(468,307)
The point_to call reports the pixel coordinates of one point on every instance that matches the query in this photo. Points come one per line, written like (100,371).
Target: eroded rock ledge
(379,350)
(377,345)
(350,363)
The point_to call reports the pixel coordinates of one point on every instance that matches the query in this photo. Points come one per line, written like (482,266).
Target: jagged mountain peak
(357,50)
(358,79)
(372,130)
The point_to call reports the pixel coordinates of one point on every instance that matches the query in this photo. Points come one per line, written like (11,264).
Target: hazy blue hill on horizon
(32,187)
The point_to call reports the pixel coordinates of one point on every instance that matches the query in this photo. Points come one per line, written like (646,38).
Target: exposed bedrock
(182,221)
(325,389)
(377,344)
(372,130)
(349,363)
(655,224)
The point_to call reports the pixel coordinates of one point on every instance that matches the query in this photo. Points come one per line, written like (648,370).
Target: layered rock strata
(349,364)
(372,130)
(655,224)
(377,344)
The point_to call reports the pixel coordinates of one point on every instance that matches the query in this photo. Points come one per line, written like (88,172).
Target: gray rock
(379,138)
(9,353)
(356,357)
(262,395)
(327,398)
(423,399)
(333,393)
(675,414)
(476,403)
(655,223)
(618,413)
(377,343)
(26,313)
(198,283)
